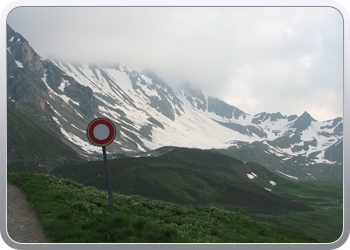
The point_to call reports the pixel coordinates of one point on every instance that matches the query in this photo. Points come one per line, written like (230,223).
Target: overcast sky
(286,60)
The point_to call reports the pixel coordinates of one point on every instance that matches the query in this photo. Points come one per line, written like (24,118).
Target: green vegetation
(197,178)
(28,142)
(187,176)
(73,213)
(326,197)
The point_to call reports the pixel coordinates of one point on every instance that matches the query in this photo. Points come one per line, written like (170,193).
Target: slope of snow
(86,146)
(191,127)
(290,176)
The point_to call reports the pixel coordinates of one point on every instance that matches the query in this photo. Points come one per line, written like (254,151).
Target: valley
(173,146)
(194,177)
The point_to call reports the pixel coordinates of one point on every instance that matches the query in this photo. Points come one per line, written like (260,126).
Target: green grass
(73,213)
(27,141)
(197,177)
(326,197)
(186,176)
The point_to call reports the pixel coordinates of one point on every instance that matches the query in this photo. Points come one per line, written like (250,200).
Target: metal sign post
(108,182)
(101,132)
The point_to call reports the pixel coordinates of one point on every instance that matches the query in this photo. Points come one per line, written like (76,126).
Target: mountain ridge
(149,114)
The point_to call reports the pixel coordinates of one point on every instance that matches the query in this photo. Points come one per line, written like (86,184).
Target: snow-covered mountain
(186,117)
(149,114)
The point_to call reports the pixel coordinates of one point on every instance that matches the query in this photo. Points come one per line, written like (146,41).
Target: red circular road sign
(101,132)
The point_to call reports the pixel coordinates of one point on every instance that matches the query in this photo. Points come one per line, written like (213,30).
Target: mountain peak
(194,91)
(303,121)
(194,96)
(306,114)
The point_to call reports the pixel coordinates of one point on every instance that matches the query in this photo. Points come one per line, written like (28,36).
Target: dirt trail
(23,225)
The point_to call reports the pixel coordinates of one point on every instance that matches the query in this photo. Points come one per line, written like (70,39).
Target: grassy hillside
(195,177)
(326,197)
(187,176)
(30,144)
(73,213)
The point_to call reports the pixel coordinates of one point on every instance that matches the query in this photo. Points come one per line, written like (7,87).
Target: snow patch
(251,176)
(56,120)
(67,99)
(274,150)
(19,64)
(287,158)
(272,183)
(78,128)
(268,189)
(63,84)
(54,110)
(290,176)
(320,158)
(311,176)
(86,146)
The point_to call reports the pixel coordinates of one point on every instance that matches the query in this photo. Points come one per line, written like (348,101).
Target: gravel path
(23,225)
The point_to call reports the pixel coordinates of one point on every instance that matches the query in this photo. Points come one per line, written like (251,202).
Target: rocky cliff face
(24,68)
(25,85)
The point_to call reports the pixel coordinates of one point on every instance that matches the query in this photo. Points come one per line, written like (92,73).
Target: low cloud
(257,59)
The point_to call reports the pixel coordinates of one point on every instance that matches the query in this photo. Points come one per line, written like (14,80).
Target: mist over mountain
(63,97)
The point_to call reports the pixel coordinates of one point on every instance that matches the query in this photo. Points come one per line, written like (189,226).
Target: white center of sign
(101,132)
